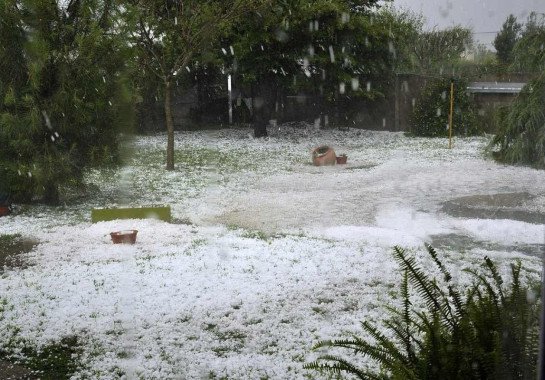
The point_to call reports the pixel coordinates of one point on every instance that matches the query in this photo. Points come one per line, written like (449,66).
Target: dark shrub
(430,115)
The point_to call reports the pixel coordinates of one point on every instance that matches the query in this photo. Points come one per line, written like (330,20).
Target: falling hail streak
(46,119)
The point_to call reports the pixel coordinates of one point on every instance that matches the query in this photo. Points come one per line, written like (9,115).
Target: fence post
(541,357)
(230,98)
(450,114)
(396,103)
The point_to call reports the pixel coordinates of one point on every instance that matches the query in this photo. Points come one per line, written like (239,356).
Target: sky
(485,17)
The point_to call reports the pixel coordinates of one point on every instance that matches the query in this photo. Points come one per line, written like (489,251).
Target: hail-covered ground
(266,254)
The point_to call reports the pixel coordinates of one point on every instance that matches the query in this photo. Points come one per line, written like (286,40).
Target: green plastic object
(106,214)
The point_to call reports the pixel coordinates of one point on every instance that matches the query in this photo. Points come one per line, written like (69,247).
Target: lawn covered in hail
(266,253)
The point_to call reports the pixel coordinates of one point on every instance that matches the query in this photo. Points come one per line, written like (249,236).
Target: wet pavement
(513,206)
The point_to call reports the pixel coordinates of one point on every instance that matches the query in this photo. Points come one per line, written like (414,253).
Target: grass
(198,159)
(196,170)
(9,243)
(141,180)
(255,234)
(56,361)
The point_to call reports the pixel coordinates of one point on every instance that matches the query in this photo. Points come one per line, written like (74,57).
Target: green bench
(106,214)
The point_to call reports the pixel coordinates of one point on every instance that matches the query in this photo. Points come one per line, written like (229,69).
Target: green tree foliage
(438,49)
(521,125)
(62,98)
(422,51)
(170,35)
(521,135)
(483,55)
(404,28)
(328,49)
(529,51)
(430,116)
(506,39)
(488,330)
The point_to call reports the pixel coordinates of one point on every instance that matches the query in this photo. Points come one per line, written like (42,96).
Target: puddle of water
(355,167)
(463,242)
(494,206)
(11,247)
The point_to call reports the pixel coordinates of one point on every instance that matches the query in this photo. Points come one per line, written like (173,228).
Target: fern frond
(489,289)
(406,301)
(359,346)
(433,253)
(388,346)
(427,288)
(416,328)
(490,331)
(495,276)
(406,338)
(447,277)
(515,282)
(340,365)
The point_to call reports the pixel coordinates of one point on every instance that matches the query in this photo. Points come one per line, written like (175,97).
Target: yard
(266,254)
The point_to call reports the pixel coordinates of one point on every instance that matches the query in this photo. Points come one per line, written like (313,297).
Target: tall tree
(404,28)
(62,97)
(436,48)
(329,49)
(170,34)
(521,125)
(506,39)
(529,51)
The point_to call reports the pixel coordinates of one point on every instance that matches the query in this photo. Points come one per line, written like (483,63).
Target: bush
(521,128)
(430,115)
(490,331)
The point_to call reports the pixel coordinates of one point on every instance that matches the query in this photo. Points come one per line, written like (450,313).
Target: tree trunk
(260,129)
(51,194)
(265,107)
(170,126)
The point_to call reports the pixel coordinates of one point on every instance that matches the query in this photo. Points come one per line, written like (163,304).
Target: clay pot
(323,155)
(124,237)
(341,160)
(5,210)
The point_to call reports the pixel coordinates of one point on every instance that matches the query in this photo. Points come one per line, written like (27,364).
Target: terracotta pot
(5,210)
(323,155)
(124,237)
(341,160)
